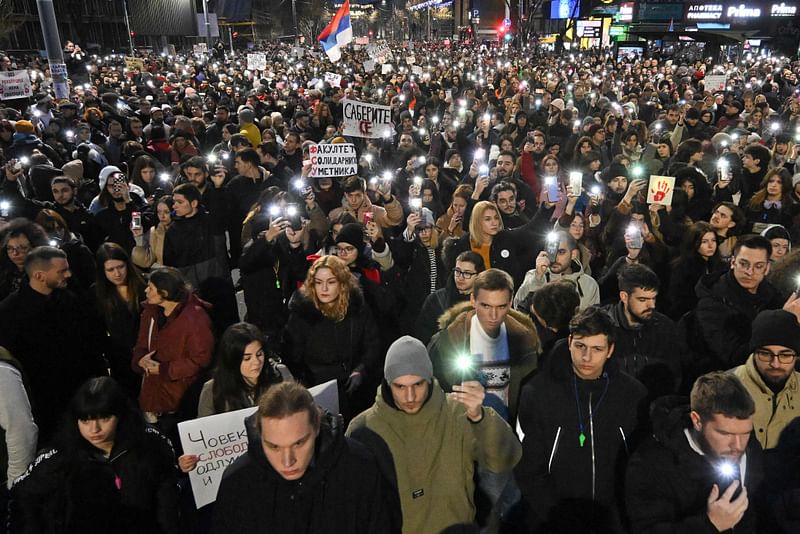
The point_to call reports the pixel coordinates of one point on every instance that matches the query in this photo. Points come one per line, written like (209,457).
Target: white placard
(298,51)
(660,190)
(200,48)
(256,61)
(369,65)
(15,84)
(332,161)
(715,82)
(386,68)
(411,60)
(380,52)
(220,439)
(335,80)
(366,120)
(416,69)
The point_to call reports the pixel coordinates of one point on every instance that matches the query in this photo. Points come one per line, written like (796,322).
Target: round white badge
(505,253)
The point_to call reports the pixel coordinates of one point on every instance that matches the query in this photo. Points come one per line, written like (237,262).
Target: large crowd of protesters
(525,335)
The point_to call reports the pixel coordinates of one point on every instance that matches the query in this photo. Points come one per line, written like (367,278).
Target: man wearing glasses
(469,264)
(769,374)
(728,302)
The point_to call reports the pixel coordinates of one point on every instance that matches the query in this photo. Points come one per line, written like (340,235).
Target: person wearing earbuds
(580,417)
(700,471)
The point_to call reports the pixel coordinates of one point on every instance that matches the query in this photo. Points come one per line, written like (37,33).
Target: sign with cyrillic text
(220,439)
(15,84)
(256,61)
(332,161)
(371,121)
(335,80)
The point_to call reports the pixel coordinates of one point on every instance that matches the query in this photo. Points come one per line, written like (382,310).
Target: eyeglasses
(345,250)
(22,249)
(766,356)
(745,265)
(464,274)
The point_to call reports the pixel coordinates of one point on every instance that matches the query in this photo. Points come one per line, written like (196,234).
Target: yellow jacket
(768,423)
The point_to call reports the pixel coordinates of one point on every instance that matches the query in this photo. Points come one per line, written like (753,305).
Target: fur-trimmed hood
(456,316)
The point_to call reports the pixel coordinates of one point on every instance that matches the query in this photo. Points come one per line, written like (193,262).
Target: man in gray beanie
(427,442)
(769,375)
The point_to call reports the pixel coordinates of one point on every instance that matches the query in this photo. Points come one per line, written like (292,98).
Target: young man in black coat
(301,475)
(580,417)
(49,332)
(699,473)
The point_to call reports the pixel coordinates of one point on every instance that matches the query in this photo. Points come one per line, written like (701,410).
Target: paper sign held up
(660,190)
(220,439)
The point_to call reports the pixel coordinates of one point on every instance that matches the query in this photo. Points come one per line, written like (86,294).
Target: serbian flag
(338,33)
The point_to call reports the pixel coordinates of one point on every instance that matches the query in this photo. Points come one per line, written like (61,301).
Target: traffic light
(501,29)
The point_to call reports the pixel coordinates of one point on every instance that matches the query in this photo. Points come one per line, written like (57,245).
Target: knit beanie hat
(24,127)
(775,327)
(352,234)
(407,356)
(74,170)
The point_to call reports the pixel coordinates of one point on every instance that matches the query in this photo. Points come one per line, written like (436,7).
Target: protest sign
(15,84)
(366,120)
(331,161)
(380,52)
(200,48)
(220,439)
(715,82)
(369,65)
(416,69)
(335,80)
(411,60)
(256,61)
(660,190)
(386,68)
(362,40)
(298,52)
(134,63)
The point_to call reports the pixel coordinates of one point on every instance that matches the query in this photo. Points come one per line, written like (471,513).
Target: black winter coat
(654,353)
(134,491)
(270,274)
(317,349)
(668,483)
(438,302)
(725,314)
(514,251)
(54,338)
(414,265)
(568,487)
(342,491)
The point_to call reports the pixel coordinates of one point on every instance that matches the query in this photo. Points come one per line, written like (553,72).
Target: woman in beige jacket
(149,253)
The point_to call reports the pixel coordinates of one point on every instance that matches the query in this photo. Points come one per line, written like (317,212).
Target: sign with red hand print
(660,190)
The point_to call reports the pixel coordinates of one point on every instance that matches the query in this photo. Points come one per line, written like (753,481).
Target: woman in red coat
(175,343)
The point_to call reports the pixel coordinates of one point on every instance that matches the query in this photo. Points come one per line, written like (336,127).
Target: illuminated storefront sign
(783,10)
(695,12)
(743,11)
(625,13)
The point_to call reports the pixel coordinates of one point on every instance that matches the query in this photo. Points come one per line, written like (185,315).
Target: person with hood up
(565,263)
(427,443)
(301,474)
(248,128)
(580,416)
(115,206)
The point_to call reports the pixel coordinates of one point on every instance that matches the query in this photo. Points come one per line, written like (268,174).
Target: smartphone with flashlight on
(553,193)
(634,237)
(136,220)
(726,471)
(552,246)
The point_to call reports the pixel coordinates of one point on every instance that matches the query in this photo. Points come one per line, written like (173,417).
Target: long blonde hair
(476,233)
(336,310)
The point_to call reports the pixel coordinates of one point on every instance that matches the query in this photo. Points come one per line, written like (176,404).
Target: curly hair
(336,310)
